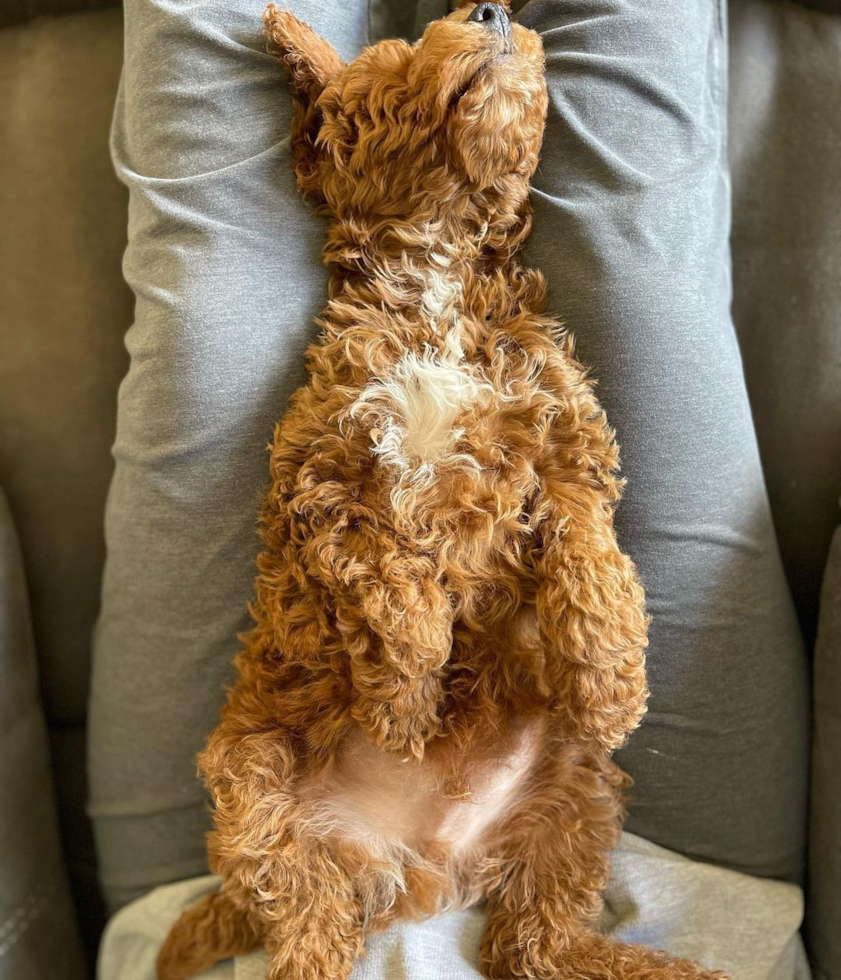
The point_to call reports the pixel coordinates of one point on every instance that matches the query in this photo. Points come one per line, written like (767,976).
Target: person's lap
(631,230)
(746,926)
(632,224)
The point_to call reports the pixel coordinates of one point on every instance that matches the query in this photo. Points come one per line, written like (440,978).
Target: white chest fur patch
(416,406)
(411,413)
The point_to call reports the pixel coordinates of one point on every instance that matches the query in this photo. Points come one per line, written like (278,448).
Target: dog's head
(406,131)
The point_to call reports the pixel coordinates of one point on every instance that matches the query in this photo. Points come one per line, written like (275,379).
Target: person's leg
(224,257)
(631,230)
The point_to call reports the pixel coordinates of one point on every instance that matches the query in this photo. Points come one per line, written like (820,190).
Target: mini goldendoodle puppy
(448,642)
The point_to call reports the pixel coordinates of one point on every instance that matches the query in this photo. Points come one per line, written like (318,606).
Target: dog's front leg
(591,615)
(396,622)
(401,713)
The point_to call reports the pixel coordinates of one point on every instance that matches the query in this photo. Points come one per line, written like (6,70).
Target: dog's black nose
(492,16)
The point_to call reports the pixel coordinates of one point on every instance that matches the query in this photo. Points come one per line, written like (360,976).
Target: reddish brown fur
(448,642)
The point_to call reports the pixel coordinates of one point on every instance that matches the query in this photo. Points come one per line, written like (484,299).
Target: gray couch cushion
(17,11)
(38,935)
(64,310)
(827,6)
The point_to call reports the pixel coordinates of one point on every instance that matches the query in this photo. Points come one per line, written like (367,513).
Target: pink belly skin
(382,801)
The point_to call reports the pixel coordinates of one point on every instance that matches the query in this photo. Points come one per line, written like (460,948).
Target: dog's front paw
(406,722)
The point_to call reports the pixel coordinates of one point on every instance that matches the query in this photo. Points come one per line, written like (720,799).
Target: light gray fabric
(631,230)
(723,919)
(824,919)
(38,934)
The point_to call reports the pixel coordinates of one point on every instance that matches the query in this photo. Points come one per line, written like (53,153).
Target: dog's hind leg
(297,882)
(550,861)
(315,931)
(592,956)
(304,909)
(215,929)
(549,865)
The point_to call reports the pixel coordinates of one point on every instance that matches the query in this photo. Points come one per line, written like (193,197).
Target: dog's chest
(384,802)
(441,408)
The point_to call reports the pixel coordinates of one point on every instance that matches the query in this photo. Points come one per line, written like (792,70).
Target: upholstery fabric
(38,933)
(825,818)
(17,11)
(63,312)
(826,6)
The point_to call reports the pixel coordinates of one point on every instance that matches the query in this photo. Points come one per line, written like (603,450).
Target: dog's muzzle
(494,18)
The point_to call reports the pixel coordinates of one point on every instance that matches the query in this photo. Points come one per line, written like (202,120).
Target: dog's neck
(424,264)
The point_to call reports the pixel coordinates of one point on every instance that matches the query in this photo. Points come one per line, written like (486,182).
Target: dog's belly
(387,804)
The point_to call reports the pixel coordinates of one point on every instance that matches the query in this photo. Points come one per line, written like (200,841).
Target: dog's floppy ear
(310,63)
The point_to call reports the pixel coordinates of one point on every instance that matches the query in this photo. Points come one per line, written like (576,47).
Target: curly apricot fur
(447,640)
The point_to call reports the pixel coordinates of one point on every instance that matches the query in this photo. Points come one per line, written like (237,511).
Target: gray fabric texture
(631,230)
(63,312)
(824,919)
(785,154)
(38,933)
(632,204)
(723,919)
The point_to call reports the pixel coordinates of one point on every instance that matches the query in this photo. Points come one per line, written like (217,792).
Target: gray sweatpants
(725,920)
(631,231)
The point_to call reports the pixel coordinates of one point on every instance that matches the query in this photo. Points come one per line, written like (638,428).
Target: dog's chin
(496,125)
(489,76)
(503,77)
